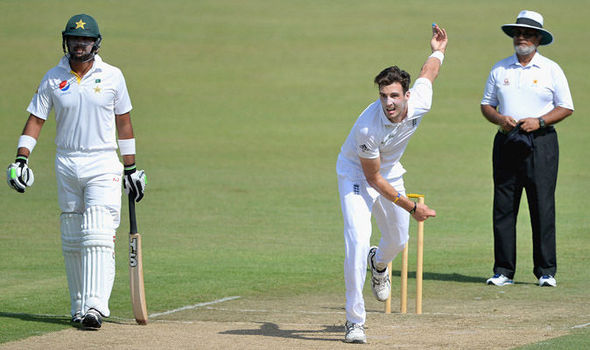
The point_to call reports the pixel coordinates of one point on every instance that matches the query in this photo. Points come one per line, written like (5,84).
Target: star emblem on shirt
(97,89)
(80,24)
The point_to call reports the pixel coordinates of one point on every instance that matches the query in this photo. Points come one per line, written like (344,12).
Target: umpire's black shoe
(92,319)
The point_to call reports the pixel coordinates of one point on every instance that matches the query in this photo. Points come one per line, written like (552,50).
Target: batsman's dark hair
(392,75)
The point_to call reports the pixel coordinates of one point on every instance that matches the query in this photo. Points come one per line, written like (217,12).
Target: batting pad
(98,259)
(71,232)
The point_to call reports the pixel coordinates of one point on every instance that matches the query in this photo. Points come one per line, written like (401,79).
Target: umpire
(525,95)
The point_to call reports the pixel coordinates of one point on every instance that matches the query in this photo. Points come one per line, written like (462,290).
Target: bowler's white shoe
(355,333)
(380,284)
(547,281)
(499,280)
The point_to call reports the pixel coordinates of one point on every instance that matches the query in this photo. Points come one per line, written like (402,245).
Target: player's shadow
(451,277)
(269,329)
(52,319)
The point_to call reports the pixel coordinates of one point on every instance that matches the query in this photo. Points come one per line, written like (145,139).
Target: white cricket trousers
(89,195)
(86,179)
(359,200)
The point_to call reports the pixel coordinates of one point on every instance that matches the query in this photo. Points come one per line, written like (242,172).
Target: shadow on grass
(52,319)
(450,277)
(269,329)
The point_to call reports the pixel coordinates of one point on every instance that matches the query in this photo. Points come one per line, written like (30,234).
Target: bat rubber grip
(132,219)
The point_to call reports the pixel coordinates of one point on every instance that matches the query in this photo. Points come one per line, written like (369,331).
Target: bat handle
(132,219)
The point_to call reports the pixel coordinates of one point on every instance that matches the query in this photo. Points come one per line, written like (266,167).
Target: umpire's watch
(541,122)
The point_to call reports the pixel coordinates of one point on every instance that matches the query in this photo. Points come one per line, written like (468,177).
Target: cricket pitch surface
(317,322)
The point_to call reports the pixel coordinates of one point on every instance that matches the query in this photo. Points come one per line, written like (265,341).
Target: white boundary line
(189,307)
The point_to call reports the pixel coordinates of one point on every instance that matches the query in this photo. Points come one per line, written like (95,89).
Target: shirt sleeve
(41,103)
(122,100)
(366,147)
(421,95)
(561,95)
(489,93)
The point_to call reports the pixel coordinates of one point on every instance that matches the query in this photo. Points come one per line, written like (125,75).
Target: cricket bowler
(370,181)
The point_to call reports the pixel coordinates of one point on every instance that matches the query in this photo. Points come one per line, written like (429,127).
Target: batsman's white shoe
(499,280)
(355,333)
(547,281)
(380,284)
(77,318)
(92,319)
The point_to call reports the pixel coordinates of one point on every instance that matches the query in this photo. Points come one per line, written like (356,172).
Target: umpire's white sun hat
(529,19)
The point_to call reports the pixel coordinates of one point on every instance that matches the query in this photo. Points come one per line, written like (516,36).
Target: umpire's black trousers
(537,174)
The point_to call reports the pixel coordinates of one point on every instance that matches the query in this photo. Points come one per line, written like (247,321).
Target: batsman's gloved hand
(134,182)
(18,175)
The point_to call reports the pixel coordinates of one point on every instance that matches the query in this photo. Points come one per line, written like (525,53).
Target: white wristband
(27,142)
(439,55)
(127,146)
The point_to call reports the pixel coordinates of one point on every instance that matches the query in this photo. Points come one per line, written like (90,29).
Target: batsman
(92,113)
(370,181)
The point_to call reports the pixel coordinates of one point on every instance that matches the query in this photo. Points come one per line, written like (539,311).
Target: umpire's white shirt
(85,108)
(527,91)
(373,135)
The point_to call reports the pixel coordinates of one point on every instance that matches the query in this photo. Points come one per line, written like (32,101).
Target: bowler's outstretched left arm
(438,44)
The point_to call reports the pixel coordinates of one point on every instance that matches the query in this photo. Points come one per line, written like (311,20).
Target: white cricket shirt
(85,108)
(373,135)
(527,92)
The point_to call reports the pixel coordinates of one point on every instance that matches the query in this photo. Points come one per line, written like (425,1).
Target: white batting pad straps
(439,55)
(127,146)
(71,233)
(27,142)
(98,259)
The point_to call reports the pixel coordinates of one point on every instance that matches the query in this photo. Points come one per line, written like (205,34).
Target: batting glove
(18,175)
(134,182)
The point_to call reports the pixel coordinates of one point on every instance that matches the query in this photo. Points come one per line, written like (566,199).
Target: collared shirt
(85,108)
(527,91)
(373,135)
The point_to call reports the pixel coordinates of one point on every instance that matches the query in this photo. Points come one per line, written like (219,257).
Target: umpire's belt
(538,132)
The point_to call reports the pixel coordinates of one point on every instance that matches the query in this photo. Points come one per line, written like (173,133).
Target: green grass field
(240,108)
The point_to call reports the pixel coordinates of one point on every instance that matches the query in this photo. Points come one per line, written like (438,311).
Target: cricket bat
(136,268)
